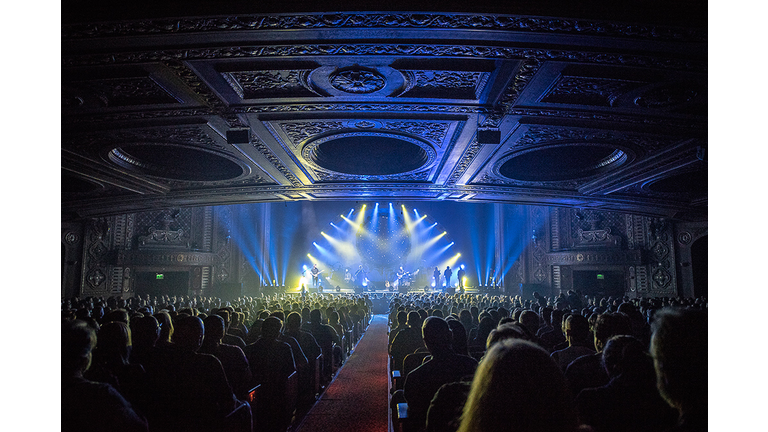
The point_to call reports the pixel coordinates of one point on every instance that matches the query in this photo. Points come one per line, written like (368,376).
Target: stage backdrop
(280,241)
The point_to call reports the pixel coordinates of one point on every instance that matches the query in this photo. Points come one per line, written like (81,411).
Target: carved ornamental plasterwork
(117,92)
(357,80)
(434,20)
(538,135)
(269,83)
(444,84)
(588,90)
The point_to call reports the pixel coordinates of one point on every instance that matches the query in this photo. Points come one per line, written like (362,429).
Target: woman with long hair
(518,387)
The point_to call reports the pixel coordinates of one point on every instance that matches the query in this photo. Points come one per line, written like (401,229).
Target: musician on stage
(315,276)
(447,273)
(460,275)
(400,275)
(436,275)
(360,278)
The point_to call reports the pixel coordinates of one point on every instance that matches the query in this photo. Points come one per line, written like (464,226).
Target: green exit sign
(159,276)
(600,276)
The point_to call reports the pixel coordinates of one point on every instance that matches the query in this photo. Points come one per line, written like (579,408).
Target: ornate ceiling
(167,109)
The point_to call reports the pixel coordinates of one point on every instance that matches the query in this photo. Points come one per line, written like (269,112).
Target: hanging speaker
(238,136)
(489,136)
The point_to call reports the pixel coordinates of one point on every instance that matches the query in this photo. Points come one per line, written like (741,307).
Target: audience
(444,367)
(518,387)
(165,364)
(577,336)
(87,405)
(630,401)
(679,350)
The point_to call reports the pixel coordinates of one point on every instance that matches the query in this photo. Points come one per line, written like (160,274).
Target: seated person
(190,389)
(444,367)
(88,406)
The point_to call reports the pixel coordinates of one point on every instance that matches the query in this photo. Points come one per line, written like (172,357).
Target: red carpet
(357,400)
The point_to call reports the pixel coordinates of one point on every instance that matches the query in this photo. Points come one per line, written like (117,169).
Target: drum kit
(402,281)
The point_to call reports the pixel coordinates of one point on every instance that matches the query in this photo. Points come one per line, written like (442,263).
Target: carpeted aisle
(357,400)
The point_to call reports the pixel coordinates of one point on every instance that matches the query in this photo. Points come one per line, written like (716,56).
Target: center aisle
(357,400)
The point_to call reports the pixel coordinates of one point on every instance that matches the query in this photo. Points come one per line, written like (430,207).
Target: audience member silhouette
(445,409)
(88,406)
(191,389)
(630,402)
(311,350)
(510,330)
(679,350)
(232,358)
(229,338)
(588,371)
(166,328)
(577,336)
(406,341)
(458,337)
(145,331)
(530,320)
(111,364)
(326,337)
(518,387)
(400,324)
(444,367)
(271,363)
(478,343)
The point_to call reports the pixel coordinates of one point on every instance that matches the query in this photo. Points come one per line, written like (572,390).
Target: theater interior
(224,148)
(574,136)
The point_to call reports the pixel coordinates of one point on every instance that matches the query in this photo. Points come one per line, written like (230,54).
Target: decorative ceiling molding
(399,20)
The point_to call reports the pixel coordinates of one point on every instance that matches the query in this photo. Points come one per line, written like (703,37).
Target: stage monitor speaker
(489,136)
(239,136)
(450,291)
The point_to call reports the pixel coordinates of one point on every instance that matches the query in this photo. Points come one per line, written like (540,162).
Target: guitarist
(315,276)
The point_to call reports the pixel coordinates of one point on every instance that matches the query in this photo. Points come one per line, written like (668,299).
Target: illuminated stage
(379,245)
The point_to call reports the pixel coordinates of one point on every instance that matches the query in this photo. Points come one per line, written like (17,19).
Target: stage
(379,293)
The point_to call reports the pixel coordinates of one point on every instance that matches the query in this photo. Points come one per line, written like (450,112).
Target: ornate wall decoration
(71,238)
(662,257)
(684,237)
(666,96)
(444,84)
(661,277)
(269,83)
(427,20)
(300,132)
(361,107)
(538,135)
(466,160)
(339,177)
(588,90)
(164,229)
(357,80)
(209,98)
(96,278)
(129,91)
(275,161)
(533,57)
(187,135)
(593,229)
(432,131)
(223,245)
(98,235)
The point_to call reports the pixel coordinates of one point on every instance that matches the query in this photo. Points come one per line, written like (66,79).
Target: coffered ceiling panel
(162,107)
